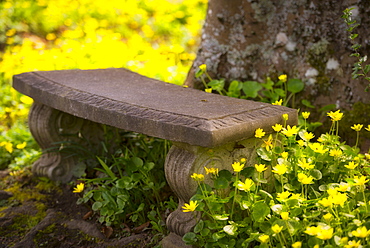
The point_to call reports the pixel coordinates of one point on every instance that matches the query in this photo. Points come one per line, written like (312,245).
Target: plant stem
(358,135)
(235,192)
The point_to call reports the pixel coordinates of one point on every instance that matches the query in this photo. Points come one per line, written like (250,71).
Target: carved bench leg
(182,161)
(51,128)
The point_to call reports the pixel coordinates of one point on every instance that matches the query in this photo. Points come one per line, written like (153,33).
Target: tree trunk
(250,40)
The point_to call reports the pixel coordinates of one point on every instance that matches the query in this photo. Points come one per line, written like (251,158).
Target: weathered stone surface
(126,100)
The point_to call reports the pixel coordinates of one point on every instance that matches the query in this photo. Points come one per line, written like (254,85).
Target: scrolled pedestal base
(57,133)
(182,161)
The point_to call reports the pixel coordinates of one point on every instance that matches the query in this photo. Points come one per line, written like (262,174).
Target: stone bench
(75,101)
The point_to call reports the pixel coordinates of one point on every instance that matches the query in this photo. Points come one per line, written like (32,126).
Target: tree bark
(250,40)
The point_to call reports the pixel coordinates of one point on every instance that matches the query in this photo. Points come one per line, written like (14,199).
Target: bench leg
(182,161)
(52,130)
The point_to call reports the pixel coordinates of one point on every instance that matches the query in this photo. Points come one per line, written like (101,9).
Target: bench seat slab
(127,100)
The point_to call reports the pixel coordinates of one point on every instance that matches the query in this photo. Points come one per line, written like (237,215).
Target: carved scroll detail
(51,129)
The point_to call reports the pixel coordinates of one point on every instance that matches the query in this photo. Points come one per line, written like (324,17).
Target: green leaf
(199,227)
(280,92)
(124,183)
(96,206)
(295,85)
(225,174)
(217,85)
(235,86)
(107,170)
(316,174)
(121,201)
(307,103)
(268,85)
(353,36)
(328,108)
(205,232)
(264,154)
(218,236)
(199,73)
(260,210)
(190,238)
(251,88)
(230,229)
(367,68)
(137,161)
(293,226)
(248,171)
(221,183)
(265,193)
(149,166)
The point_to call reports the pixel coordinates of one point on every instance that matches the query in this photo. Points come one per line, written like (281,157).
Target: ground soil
(35,212)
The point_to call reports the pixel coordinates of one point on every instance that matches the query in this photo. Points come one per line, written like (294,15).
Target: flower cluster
(300,191)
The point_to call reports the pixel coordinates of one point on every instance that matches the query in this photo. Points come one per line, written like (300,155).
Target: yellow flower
(212,170)
(246,186)
(283,77)
(79,188)
(306,115)
(260,167)
(307,136)
(237,166)
(286,117)
(209,90)
(304,179)
(190,207)
(284,155)
(343,187)
(312,230)
(290,131)
(295,196)
(305,164)
(21,146)
(360,181)
(9,147)
(243,160)
(301,143)
(280,102)
(338,199)
(351,165)
(335,116)
(325,233)
(367,128)
(361,232)
(276,228)
(283,196)
(263,238)
(328,216)
(332,191)
(357,127)
(318,148)
(259,133)
(26,100)
(277,127)
(280,169)
(11,32)
(353,244)
(325,202)
(336,153)
(268,143)
(284,215)
(297,244)
(203,67)
(198,177)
